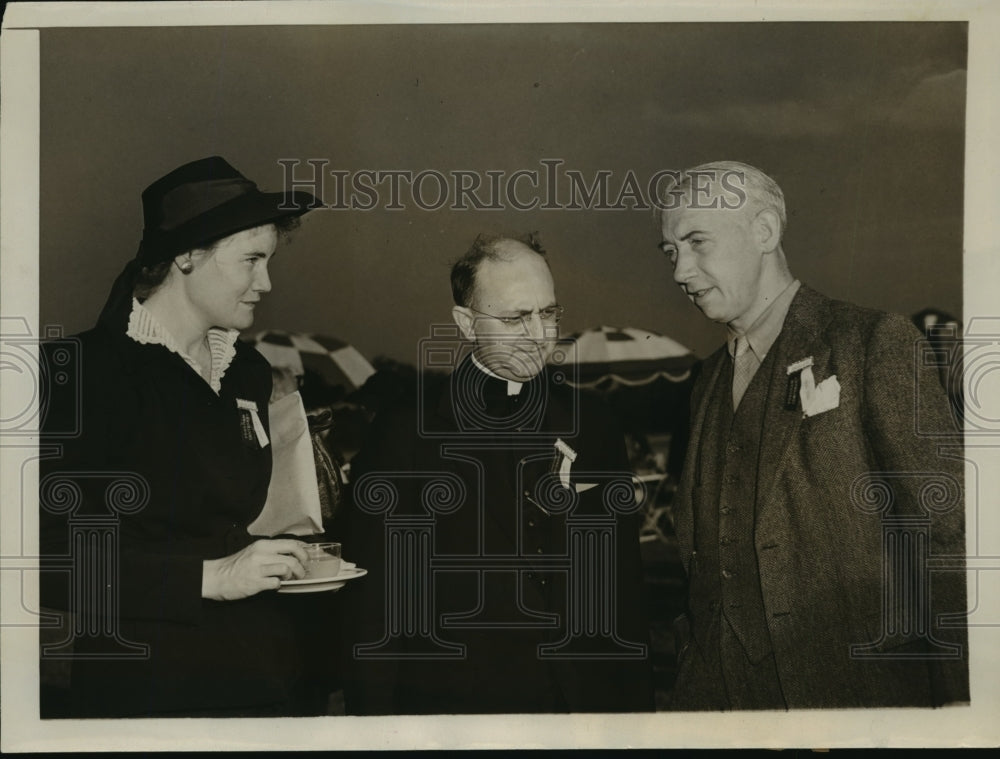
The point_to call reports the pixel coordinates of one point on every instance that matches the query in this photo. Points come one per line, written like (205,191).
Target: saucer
(320,584)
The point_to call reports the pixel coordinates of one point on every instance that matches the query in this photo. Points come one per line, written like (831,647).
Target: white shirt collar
(145,329)
(762,334)
(513,388)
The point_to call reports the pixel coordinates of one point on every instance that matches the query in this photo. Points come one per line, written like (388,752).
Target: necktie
(744,367)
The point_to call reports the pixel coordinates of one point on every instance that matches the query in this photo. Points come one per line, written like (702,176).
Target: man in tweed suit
(804,512)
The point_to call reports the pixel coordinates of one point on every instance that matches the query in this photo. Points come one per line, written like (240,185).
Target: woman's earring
(186,267)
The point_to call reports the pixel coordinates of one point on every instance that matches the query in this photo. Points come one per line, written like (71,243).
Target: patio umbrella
(613,356)
(331,360)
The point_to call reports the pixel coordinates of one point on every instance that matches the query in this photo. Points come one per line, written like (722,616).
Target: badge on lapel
(563,463)
(565,456)
(802,387)
(250,425)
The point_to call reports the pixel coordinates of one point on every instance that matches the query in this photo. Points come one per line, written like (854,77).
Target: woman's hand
(260,566)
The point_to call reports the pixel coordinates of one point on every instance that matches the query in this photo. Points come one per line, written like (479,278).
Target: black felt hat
(191,207)
(204,201)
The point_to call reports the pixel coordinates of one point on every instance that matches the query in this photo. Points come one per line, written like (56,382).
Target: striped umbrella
(335,362)
(614,356)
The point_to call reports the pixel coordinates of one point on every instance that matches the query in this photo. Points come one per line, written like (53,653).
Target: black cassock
(493,587)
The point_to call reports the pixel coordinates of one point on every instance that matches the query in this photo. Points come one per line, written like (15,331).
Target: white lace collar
(145,329)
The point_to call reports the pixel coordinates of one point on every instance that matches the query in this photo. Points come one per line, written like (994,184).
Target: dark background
(861,124)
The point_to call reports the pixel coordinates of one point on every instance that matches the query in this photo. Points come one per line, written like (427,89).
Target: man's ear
(465,320)
(767,227)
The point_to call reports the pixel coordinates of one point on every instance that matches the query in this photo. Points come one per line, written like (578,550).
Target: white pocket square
(818,398)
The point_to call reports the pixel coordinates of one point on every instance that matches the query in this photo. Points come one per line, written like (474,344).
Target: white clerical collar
(513,388)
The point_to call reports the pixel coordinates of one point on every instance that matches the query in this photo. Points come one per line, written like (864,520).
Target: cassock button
(531,523)
(724,510)
(538,550)
(727,574)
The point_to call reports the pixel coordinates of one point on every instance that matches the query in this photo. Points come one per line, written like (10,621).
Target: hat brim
(237,215)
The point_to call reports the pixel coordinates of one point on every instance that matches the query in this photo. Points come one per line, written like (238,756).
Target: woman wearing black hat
(175,614)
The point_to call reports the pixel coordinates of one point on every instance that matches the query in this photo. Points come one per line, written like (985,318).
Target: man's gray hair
(760,190)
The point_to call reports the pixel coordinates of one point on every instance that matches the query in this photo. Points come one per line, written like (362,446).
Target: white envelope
(292,505)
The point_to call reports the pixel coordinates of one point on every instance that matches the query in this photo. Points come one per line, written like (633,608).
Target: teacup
(324,560)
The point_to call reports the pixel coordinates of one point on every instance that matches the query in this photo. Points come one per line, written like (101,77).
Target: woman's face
(229,279)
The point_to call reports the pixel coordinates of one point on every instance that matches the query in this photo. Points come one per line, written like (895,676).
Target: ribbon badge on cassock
(565,456)
(802,387)
(250,425)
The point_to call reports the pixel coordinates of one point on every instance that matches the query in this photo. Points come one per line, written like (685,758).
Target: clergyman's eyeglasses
(550,315)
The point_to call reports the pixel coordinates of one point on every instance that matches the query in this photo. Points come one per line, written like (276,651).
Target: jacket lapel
(691,475)
(799,338)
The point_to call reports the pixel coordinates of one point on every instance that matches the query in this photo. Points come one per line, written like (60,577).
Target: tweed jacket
(834,493)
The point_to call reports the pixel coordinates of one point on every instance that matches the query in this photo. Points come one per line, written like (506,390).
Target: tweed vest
(725,580)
